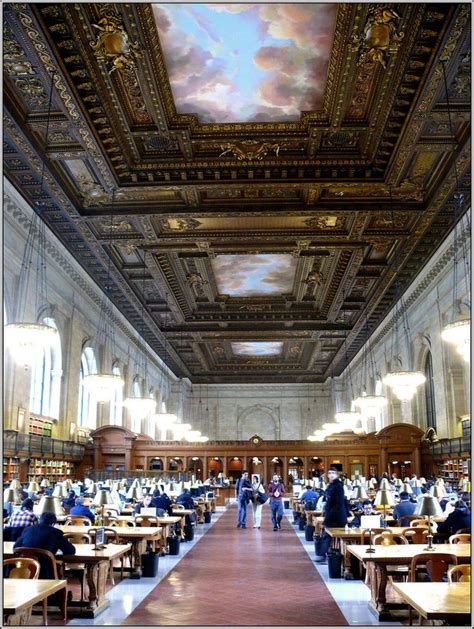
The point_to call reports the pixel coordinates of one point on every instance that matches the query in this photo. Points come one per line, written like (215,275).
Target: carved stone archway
(258,419)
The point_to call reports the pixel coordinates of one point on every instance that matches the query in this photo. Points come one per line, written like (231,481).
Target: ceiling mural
(246,62)
(257,348)
(254,275)
(257,174)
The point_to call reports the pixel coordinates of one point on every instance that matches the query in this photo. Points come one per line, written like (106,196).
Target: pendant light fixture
(27,340)
(369,404)
(104,386)
(402,382)
(141,406)
(458,332)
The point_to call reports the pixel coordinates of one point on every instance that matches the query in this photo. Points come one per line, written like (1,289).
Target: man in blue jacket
(46,537)
(81,510)
(161,502)
(309,494)
(404,508)
(243,492)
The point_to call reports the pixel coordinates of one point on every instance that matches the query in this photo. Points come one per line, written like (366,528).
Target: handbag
(261,498)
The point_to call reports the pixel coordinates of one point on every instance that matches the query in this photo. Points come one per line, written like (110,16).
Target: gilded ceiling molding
(380,38)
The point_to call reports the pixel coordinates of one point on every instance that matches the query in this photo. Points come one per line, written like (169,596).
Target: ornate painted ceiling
(260,175)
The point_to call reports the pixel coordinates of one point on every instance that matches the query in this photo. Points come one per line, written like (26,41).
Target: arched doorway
(316,467)
(195,467)
(214,466)
(295,469)
(175,464)
(156,464)
(235,465)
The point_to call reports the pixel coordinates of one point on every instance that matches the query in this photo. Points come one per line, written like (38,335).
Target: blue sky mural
(253,275)
(257,348)
(246,62)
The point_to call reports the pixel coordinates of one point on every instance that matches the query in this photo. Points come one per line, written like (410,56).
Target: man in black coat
(335,514)
(46,537)
(161,502)
(460,518)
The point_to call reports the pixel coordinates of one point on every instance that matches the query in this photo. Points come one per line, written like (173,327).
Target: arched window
(45,391)
(87,409)
(430,392)
(116,408)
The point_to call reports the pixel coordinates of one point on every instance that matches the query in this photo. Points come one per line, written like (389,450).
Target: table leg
(45,611)
(377,577)
(347,559)
(94,591)
(138,547)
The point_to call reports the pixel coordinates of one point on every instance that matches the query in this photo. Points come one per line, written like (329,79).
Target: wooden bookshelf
(41,426)
(452,470)
(10,468)
(54,471)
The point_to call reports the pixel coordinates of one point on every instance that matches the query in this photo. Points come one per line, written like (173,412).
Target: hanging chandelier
(404,383)
(370,405)
(103,387)
(141,406)
(458,332)
(347,418)
(192,435)
(27,340)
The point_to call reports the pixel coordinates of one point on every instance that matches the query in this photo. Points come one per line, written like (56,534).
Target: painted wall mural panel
(246,62)
(257,348)
(254,275)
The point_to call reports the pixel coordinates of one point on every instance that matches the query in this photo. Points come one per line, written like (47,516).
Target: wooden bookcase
(10,468)
(41,426)
(452,470)
(54,471)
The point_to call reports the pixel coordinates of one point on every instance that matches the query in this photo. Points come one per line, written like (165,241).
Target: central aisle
(242,577)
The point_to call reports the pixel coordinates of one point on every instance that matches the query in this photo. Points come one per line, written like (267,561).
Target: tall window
(430,392)
(45,391)
(87,409)
(136,392)
(116,408)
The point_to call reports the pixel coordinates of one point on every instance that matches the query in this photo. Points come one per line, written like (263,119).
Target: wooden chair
(463,531)
(460,538)
(416,535)
(410,518)
(435,565)
(364,536)
(418,522)
(461,572)
(77,520)
(146,520)
(390,539)
(78,538)
(21,568)
(56,570)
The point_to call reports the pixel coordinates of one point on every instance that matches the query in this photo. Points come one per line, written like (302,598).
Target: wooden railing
(18,443)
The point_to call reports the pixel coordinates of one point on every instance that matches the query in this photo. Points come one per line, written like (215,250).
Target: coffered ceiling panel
(258,174)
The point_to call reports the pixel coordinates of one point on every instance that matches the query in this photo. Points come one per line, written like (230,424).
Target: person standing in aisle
(276,491)
(243,493)
(260,498)
(335,514)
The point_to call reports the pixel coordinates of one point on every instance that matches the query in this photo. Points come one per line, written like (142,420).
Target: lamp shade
(428,505)
(92,489)
(384,484)
(406,487)
(60,491)
(359,493)
(50,504)
(467,487)
(11,495)
(398,482)
(33,487)
(67,483)
(135,483)
(102,497)
(437,491)
(15,484)
(417,483)
(134,493)
(384,498)
(44,483)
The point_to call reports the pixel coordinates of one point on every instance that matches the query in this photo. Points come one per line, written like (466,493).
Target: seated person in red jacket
(46,537)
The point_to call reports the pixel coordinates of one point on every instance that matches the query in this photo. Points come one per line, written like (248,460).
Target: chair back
(146,521)
(389,539)
(78,538)
(435,565)
(460,538)
(418,522)
(461,572)
(46,559)
(365,534)
(130,523)
(77,520)
(464,531)
(178,507)
(110,534)
(416,535)
(21,568)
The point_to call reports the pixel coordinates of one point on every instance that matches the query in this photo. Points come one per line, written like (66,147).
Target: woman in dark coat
(335,513)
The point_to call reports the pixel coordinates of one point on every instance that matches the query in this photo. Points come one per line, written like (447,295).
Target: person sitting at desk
(460,518)
(80,509)
(70,500)
(185,499)
(309,494)
(366,510)
(404,508)
(46,537)
(25,517)
(161,502)
(145,503)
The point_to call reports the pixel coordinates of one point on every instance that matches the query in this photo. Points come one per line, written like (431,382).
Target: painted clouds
(252,275)
(250,348)
(241,63)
